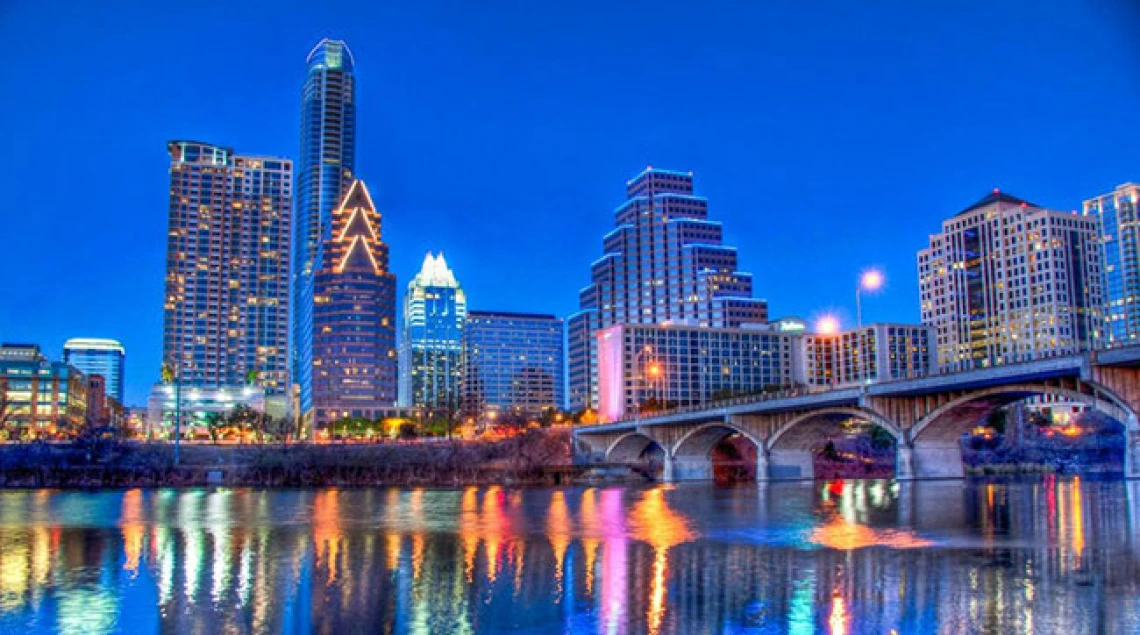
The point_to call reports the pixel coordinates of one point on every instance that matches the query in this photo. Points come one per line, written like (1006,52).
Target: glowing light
(654,370)
(871,280)
(827,325)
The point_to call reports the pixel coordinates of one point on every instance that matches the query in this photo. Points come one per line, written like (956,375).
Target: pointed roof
(435,273)
(360,231)
(997,196)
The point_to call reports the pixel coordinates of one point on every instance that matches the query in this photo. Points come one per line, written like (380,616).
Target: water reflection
(842,557)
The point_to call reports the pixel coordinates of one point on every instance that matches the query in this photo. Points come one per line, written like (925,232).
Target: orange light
(654,370)
(827,325)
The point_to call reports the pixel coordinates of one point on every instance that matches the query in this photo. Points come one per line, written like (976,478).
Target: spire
(355,225)
(435,273)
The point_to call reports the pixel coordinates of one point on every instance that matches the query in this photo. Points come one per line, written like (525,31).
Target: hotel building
(435,310)
(670,366)
(664,261)
(325,169)
(354,317)
(98,357)
(1120,259)
(513,362)
(1007,281)
(873,353)
(227,269)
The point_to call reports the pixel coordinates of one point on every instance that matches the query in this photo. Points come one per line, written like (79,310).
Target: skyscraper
(1007,281)
(513,362)
(354,316)
(325,170)
(664,261)
(435,309)
(227,268)
(1120,256)
(98,357)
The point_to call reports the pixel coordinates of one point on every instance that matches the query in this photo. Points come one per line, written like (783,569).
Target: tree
(215,421)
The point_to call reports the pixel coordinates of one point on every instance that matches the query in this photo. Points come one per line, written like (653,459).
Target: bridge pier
(936,461)
(687,468)
(904,462)
(763,465)
(791,465)
(1131,451)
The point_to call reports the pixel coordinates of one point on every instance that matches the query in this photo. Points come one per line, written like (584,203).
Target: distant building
(196,404)
(354,317)
(664,262)
(644,366)
(435,310)
(227,269)
(873,353)
(1120,259)
(103,410)
(98,357)
(325,168)
(513,362)
(1006,281)
(39,398)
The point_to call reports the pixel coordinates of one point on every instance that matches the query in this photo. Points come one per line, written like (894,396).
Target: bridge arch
(803,431)
(945,424)
(631,447)
(700,441)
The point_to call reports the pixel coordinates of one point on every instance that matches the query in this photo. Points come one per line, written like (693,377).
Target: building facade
(513,363)
(873,353)
(1006,281)
(98,357)
(39,398)
(646,367)
(431,349)
(325,169)
(354,317)
(193,405)
(226,320)
(1120,259)
(664,262)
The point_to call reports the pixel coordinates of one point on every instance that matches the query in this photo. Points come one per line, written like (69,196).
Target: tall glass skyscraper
(324,172)
(354,316)
(662,262)
(513,363)
(435,309)
(98,357)
(227,268)
(1120,259)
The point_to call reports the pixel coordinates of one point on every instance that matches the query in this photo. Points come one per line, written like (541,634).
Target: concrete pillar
(669,470)
(939,461)
(1131,449)
(687,468)
(904,462)
(762,465)
(791,465)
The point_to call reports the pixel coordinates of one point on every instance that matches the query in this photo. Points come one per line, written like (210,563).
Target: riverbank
(535,457)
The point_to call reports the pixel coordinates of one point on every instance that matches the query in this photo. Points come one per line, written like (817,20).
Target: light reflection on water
(841,557)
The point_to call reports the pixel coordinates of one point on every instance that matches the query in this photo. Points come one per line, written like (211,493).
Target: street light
(638,367)
(870,281)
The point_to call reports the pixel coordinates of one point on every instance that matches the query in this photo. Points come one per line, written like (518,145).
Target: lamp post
(870,281)
(639,368)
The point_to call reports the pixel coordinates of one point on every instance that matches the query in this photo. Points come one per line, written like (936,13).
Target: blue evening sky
(827,135)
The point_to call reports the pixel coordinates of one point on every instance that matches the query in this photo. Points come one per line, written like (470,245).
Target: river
(1049,555)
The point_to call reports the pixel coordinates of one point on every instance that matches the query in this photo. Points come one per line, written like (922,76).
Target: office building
(39,398)
(98,357)
(1120,259)
(664,262)
(227,269)
(354,316)
(435,310)
(513,363)
(1007,281)
(325,169)
(644,367)
(873,353)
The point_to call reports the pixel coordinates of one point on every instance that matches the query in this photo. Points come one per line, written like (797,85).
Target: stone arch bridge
(926,417)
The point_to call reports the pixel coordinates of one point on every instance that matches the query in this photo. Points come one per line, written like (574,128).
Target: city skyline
(753,212)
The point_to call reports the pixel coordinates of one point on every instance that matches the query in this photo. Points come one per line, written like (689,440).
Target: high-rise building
(354,316)
(873,353)
(435,309)
(513,363)
(98,357)
(1120,258)
(664,262)
(227,268)
(324,172)
(1007,281)
(643,366)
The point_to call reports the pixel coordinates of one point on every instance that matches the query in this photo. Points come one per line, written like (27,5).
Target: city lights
(827,325)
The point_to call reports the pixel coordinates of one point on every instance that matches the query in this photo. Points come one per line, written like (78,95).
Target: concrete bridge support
(687,468)
(791,464)
(937,461)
